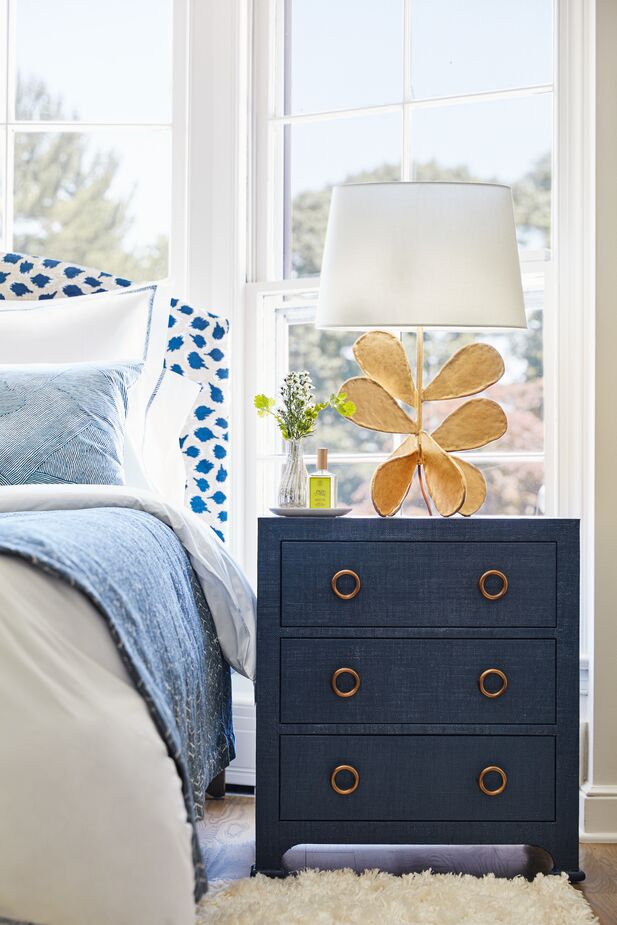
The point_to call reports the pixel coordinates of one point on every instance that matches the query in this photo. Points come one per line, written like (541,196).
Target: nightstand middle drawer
(356,680)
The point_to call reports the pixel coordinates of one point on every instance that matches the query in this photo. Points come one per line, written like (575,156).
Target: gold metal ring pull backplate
(486,674)
(504,781)
(354,774)
(356,578)
(504,585)
(356,682)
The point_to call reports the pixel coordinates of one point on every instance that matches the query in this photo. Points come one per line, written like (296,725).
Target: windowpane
(509,141)
(354,486)
(520,391)
(108,62)
(460,48)
(327,355)
(347,55)
(101,198)
(344,54)
(512,489)
(322,154)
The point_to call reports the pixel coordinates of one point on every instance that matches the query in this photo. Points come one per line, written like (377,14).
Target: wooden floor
(600,888)
(229,831)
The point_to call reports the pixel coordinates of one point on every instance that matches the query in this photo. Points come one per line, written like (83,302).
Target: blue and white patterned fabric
(158,617)
(64,424)
(197,348)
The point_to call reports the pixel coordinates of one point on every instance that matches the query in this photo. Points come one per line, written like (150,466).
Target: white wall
(219,59)
(599,802)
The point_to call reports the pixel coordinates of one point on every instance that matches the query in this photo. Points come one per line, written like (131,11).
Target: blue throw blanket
(136,572)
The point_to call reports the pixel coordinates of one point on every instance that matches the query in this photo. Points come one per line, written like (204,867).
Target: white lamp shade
(410,254)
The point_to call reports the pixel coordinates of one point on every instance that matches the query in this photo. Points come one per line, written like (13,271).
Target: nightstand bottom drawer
(417,777)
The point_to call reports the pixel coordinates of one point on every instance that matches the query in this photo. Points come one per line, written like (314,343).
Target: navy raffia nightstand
(418,683)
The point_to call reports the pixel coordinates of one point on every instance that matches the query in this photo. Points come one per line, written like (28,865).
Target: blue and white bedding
(229,595)
(116,609)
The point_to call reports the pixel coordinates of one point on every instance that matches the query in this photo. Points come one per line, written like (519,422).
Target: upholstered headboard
(197,348)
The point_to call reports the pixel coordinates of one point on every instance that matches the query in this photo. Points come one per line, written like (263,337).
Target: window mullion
(178,266)
(406,158)
(6,155)
(11,58)
(9,179)
(4,69)
(437,102)
(407,155)
(407,84)
(43,125)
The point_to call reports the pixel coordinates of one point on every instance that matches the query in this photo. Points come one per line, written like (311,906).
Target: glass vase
(294,479)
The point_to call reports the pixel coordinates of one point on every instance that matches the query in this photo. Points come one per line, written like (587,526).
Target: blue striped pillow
(64,424)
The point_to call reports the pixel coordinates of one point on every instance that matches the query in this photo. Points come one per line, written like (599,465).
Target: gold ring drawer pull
(498,790)
(486,674)
(356,682)
(356,578)
(504,585)
(354,774)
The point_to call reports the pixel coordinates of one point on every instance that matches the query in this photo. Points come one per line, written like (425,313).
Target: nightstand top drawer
(417,778)
(407,583)
(439,681)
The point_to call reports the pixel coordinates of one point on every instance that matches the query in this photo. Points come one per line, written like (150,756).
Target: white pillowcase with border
(97,327)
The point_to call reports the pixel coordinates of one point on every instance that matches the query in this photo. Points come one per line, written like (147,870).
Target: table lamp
(416,255)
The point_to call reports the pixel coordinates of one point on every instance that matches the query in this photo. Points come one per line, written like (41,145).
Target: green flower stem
(297,414)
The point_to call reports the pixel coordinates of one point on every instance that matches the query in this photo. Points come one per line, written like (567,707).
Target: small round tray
(310,511)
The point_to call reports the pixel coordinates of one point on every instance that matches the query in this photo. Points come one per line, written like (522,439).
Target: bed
(121,609)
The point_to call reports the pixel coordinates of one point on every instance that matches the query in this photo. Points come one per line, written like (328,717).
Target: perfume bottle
(322,484)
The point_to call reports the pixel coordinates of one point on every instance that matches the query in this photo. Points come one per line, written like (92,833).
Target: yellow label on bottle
(320,492)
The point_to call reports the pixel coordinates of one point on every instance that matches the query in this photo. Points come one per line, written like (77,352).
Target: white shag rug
(342,897)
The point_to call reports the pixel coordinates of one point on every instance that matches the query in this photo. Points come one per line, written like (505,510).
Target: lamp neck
(419,370)
(419,366)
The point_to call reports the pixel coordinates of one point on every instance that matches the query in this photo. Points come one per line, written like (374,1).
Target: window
(366,90)
(86,132)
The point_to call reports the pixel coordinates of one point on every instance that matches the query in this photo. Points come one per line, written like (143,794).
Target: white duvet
(73,726)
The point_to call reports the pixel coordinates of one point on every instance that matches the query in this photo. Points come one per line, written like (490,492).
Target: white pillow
(125,324)
(98,328)
(162,458)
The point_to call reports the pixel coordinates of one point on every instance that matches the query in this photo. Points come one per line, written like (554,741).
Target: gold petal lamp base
(453,484)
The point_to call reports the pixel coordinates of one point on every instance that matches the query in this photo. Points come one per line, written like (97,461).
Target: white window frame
(270,118)
(568,357)
(177,127)
(218,208)
(209,137)
(269,122)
